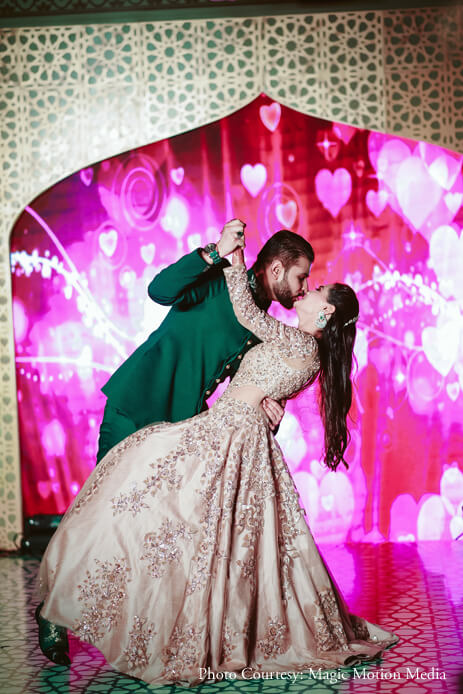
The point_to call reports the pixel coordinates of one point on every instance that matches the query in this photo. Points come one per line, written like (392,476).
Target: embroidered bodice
(287,357)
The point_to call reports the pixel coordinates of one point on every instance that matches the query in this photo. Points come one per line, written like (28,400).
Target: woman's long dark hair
(336,347)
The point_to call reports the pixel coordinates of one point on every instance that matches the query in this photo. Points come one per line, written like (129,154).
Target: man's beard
(283,293)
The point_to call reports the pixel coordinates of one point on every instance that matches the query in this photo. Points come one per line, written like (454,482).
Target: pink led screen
(382,213)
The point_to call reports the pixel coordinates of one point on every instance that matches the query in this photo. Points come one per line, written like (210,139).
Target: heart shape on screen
(417,192)
(440,346)
(177,175)
(286,213)
(376,201)
(446,259)
(333,189)
(147,253)
(270,116)
(108,242)
(253,178)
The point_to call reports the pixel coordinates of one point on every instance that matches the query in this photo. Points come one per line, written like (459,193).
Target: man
(200,342)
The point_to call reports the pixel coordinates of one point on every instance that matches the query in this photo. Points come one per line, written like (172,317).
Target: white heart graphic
(453,390)
(108,242)
(441,347)
(176,217)
(453,201)
(316,469)
(147,253)
(270,116)
(286,213)
(177,175)
(253,178)
(417,192)
(444,169)
(86,175)
(446,259)
(439,171)
(327,502)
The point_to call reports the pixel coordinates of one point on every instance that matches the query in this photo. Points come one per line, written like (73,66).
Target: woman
(186,552)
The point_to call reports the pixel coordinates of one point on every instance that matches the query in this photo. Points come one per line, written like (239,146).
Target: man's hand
(232,237)
(274,411)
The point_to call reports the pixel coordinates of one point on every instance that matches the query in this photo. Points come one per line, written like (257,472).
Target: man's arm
(185,281)
(171,285)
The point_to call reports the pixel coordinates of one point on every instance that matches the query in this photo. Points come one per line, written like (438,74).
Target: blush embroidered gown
(187,547)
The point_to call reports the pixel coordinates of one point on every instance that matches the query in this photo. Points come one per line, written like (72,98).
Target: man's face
(293,283)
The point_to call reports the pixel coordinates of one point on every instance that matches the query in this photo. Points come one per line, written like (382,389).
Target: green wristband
(215,257)
(212,252)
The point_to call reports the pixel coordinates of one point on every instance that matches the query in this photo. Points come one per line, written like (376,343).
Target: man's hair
(287,247)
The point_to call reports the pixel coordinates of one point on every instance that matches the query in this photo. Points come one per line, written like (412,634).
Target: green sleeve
(184,282)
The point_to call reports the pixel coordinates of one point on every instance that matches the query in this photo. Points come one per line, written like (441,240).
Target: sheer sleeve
(295,343)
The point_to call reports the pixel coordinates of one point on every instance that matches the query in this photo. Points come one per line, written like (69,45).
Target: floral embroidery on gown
(187,547)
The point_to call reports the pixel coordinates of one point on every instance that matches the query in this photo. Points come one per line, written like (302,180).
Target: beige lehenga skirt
(187,552)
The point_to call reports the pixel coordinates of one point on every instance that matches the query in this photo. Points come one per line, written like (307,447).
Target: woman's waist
(248,393)
(242,400)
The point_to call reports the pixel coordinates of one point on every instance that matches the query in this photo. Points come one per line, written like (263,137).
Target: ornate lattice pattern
(72,95)
(423,61)
(330,64)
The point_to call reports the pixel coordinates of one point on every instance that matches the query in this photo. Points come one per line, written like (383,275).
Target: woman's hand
(238,257)
(274,411)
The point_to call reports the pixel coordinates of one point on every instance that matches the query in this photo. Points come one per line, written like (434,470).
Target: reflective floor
(415,590)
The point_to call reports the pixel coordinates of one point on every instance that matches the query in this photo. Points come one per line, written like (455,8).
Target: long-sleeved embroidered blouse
(287,357)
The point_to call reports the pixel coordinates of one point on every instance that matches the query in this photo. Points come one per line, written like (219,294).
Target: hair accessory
(321,321)
(352,320)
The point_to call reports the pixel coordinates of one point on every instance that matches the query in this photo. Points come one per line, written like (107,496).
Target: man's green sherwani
(199,343)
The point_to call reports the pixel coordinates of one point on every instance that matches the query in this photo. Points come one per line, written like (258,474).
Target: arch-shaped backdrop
(72,95)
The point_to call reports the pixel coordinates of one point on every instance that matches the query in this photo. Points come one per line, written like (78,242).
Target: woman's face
(314,301)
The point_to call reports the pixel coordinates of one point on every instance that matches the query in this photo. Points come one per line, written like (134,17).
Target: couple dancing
(187,551)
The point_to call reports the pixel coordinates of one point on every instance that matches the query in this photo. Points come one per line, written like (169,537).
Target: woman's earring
(321,321)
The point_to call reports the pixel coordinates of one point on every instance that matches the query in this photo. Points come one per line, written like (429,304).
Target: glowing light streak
(74,274)
(86,303)
(65,360)
(389,338)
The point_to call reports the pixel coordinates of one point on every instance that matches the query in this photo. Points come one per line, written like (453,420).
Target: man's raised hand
(232,237)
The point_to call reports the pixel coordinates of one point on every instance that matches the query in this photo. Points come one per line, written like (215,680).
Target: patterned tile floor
(415,590)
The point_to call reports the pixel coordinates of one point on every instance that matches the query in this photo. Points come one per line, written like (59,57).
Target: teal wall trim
(23,13)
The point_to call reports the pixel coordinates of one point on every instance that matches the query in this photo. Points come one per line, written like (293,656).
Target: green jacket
(199,343)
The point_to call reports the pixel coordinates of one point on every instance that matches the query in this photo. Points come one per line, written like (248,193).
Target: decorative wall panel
(72,95)
(423,74)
